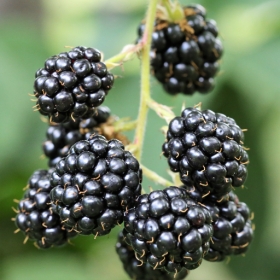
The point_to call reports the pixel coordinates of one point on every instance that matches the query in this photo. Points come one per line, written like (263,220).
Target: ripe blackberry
(233,229)
(95,184)
(168,230)
(61,137)
(206,149)
(145,271)
(72,84)
(215,199)
(35,217)
(185,55)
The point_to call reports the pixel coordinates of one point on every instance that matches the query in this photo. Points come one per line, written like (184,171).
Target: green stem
(125,126)
(126,54)
(131,148)
(174,10)
(145,77)
(163,111)
(116,58)
(167,5)
(155,177)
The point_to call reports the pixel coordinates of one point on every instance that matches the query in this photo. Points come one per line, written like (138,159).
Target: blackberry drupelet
(233,229)
(35,217)
(215,199)
(72,84)
(61,137)
(185,55)
(145,271)
(206,149)
(168,230)
(95,184)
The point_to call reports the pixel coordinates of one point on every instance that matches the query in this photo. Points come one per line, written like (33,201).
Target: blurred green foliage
(248,90)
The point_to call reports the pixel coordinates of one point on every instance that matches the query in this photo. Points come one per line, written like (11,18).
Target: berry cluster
(60,137)
(231,220)
(95,184)
(72,84)
(206,149)
(35,217)
(233,230)
(144,272)
(168,230)
(185,54)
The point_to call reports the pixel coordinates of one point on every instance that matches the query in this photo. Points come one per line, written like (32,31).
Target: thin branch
(145,77)
(127,53)
(155,177)
(163,111)
(124,126)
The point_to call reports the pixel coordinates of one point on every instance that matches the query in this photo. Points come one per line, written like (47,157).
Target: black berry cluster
(61,137)
(233,229)
(72,84)
(213,198)
(185,55)
(95,184)
(35,217)
(168,230)
(144,271)
(206,148)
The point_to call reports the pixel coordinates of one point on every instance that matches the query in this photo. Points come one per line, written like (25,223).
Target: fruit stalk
(167,5)
(173,10)
(155,177)
(124,126)
(126,54)
(163,111)
(145,77)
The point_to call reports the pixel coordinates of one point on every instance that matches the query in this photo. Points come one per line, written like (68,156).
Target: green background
(248,90)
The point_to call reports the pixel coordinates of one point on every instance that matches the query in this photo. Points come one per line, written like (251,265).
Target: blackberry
(145,271)
(168,230)
(215,199)
(95,184)
(61,137)
(185,55)
(206,149)
(233,229)
(72,84)
(35,217)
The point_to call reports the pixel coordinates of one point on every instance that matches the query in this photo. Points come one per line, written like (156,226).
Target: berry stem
(131,148)
(155,177)
(167,5)
(126,54)
(173,10)
(163,111)
(145,77)
(125,126)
